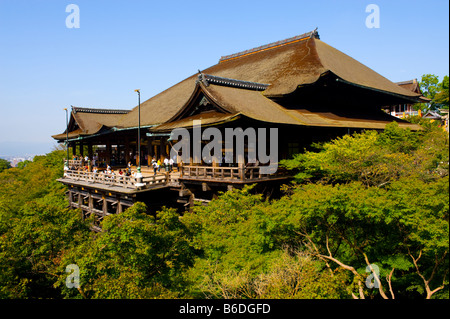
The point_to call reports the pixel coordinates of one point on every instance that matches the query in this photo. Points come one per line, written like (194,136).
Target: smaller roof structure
(432,115)
(232,99)
(89,121)
(413,86)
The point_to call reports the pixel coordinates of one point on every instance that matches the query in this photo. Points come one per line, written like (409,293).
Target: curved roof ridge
(77,109)
(206,79)
(353,71)
(271,45)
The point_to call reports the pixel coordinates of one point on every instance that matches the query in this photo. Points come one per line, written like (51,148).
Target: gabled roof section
(207,119)
(272,45)
(354,72)
(411,85)
(91,120)
(280,67)
(231,103)
(432,115)
(87,121)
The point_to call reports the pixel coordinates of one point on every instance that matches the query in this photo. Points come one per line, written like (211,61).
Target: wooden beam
(91,203)
(105,206)
(205,187)
(119,208)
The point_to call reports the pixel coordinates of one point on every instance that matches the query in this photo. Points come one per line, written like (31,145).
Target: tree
(35,226)
(4,164)
(402,229)
(379,198)
(436,91)
(429,85)
(245,253)
(135,256)
(375,158)
(441,98)
(23,164)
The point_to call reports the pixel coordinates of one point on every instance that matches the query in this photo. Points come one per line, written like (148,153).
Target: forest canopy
(366,216)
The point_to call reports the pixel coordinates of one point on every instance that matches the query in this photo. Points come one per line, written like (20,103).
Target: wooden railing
(118,180)
(225,173)
(75,163)
(405,113)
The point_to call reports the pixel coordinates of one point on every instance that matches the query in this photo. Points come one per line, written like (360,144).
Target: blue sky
(151,45)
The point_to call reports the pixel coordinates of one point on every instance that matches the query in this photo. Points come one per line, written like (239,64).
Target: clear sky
(151,45)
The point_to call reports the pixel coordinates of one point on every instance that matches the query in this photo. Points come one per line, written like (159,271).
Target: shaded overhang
(206,119)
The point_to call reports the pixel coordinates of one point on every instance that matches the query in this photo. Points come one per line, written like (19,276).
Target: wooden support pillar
(127,150)
(80,200)
(105,206)
(108,152)
(191,154)
(205,187)
(90,152)
(180,168)
(241,171)
(215,163)
(191,202)
(155,151)
(149,151)
(91,203)
(69,198)
(81,149)
(241,165)
(162,149)
(119,207)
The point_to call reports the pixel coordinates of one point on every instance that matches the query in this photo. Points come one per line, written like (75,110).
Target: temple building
(301,86)
(406,109)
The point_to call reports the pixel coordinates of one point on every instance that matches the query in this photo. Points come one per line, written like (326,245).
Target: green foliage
(429,85)
(4,164)
(243,242)
(388,225)
(381,197)
(436,91)
(297,275)
(442,96)
(233,234)
(371,198)
(232,230)
(375,158)
(135,256)
(23,164)
(35,226)
(427,124)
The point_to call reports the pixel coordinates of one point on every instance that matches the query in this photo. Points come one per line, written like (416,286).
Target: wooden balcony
(117,182)
(204,174)
(75,163)
(228,174)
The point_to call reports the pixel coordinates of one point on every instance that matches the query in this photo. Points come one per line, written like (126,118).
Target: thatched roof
(285,67)
(88,121)
(277,69)
(410,85)
(413,86)
(253,104)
